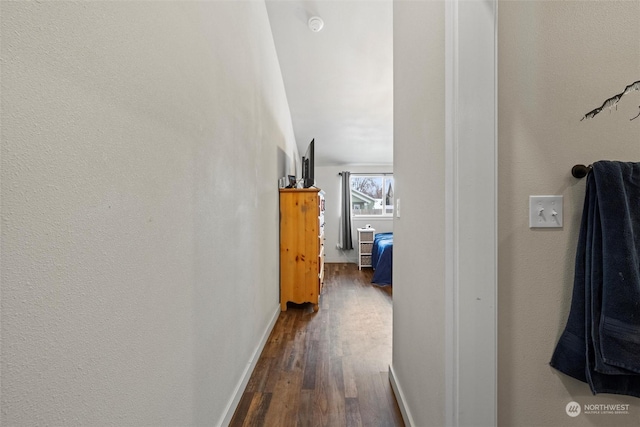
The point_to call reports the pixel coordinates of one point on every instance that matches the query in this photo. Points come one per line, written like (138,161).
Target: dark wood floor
(328,368)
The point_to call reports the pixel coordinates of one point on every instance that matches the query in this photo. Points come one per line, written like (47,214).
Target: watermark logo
(606,409)
(573,409)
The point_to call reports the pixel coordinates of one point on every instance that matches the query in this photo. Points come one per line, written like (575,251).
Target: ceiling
(339,81)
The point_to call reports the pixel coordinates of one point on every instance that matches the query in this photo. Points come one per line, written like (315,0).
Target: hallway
(329,368)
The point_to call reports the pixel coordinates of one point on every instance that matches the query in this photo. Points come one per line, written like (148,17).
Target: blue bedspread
(381,258)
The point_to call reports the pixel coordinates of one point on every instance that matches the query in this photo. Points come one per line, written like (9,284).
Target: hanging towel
(601,341)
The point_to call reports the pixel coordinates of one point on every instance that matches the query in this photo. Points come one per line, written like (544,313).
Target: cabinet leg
(316,307)
(283,306)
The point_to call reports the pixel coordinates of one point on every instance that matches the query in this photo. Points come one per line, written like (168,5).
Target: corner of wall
(232,405)
(397,391)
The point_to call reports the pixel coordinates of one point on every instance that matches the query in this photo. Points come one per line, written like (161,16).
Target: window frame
(385,179)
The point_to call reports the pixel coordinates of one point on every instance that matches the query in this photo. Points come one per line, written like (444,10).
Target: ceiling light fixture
(315,23)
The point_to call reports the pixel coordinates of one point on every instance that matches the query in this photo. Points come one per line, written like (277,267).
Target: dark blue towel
(601,341)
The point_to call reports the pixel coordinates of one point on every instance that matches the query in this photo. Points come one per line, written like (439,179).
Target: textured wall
(557,61)
(139,207)
(418,290)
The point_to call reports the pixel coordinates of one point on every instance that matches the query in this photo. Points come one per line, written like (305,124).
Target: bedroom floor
(328,368)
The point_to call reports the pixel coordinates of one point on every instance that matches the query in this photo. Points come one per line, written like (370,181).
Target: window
(372,195)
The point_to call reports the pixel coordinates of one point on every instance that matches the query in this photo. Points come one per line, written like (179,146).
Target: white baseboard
(328,260)
(397,390)
(246,375)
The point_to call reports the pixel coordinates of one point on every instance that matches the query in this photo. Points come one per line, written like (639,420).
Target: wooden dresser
(301,246)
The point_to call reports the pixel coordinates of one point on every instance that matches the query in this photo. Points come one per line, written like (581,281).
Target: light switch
(397,208)
(545,211)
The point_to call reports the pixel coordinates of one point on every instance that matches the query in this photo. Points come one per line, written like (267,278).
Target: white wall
(141,146)
(329,181)
(557,61)
(419,172)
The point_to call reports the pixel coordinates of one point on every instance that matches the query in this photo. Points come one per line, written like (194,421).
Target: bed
(381,258)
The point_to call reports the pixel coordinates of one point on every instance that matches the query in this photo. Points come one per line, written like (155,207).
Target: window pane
(388,195)
(367,195)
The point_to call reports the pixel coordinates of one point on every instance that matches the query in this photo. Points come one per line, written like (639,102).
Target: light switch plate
(545,211)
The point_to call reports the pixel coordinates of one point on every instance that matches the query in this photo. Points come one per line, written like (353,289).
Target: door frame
(471,212)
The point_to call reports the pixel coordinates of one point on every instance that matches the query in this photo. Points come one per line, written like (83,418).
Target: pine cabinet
(301,246)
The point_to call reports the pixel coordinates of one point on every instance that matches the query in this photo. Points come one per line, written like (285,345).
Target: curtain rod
(580,171)
(368,173)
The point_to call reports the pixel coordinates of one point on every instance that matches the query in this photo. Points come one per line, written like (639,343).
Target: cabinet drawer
(366,236)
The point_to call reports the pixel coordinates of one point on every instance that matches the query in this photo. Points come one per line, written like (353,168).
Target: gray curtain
(346,242)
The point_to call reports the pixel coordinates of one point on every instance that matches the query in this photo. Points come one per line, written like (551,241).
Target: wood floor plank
(349,378)
(352,409)
(310,366)
(242,411)
(283,410)
(328,368)
(260,376)
(369,405)
(335,393)
(298,352)
(305,411)
(257,410)
(380,390)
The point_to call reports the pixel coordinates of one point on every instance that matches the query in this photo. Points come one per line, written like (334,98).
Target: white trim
(232,405)
(397,391)
(471,186)
(451,213)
